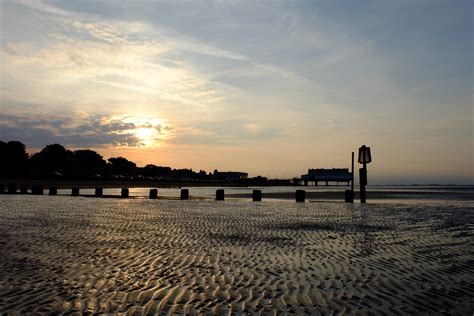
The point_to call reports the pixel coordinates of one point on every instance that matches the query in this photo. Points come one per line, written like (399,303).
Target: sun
(146,135)
(149,131)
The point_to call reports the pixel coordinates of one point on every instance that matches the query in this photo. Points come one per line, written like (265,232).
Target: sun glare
(150,132)
(146,136)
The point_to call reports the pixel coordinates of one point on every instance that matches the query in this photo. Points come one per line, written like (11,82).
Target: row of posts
(300,195)
(35,189)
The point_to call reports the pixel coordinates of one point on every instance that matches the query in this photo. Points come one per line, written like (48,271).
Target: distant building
(230,176)
(326,175)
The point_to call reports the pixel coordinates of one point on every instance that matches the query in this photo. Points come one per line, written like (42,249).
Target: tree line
(56,162)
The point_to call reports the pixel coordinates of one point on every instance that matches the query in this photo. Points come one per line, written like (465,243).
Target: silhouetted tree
(202,175)
(156,171)
(122,166)
(13,159)
(150,171)
(52,159)
(164,172)
(55,161)
(87,163)
(87,159)
(183,173)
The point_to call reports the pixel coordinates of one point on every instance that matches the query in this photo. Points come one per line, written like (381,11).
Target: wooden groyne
(125,193)
(254,195)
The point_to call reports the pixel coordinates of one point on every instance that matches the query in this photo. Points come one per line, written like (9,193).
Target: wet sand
(69,255)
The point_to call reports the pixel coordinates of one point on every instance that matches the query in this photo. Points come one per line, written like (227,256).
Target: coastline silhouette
(55,162)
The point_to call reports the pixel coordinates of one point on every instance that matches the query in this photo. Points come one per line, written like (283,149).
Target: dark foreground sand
(80,255)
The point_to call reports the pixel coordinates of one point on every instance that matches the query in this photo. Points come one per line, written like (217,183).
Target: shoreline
(378,195)
(309,196)
(90,184)
(325,193)
(67,184)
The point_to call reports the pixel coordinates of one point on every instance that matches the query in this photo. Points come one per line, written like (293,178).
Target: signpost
(365,157)
(349,194)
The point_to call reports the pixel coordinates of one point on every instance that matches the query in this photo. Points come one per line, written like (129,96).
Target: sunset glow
(270,90)
(151,132)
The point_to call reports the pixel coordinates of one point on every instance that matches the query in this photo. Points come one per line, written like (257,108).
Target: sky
(271,88)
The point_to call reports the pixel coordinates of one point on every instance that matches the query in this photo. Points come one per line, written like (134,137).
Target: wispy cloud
(124,55)
(82,130)
(227,132)
(238,77)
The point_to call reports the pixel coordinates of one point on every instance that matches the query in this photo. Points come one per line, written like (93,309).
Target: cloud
(87,131)
(226,132)
(75,52)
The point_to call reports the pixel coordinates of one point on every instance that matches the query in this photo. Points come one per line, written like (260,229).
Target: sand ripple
(78,255)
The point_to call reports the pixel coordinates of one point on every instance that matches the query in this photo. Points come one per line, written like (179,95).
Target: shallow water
(423,192)
(63,254)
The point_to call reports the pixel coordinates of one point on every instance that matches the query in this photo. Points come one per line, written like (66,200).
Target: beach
(61,254)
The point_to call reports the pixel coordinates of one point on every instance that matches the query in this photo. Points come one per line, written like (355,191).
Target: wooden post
(37,190)
(352,180)
(124,193)
(23,189)
(11,189)
(75,192)
(257,195)
(184,194)
(300,196)
(53,191)
(99,192)
(220,195)
(363,183)
(349,196)
(153,193)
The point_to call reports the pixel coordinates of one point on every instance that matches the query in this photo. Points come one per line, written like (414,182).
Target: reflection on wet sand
(63,255)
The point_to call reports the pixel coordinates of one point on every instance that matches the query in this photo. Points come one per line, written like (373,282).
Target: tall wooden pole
(349,194)
(363,175)
(352,182)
